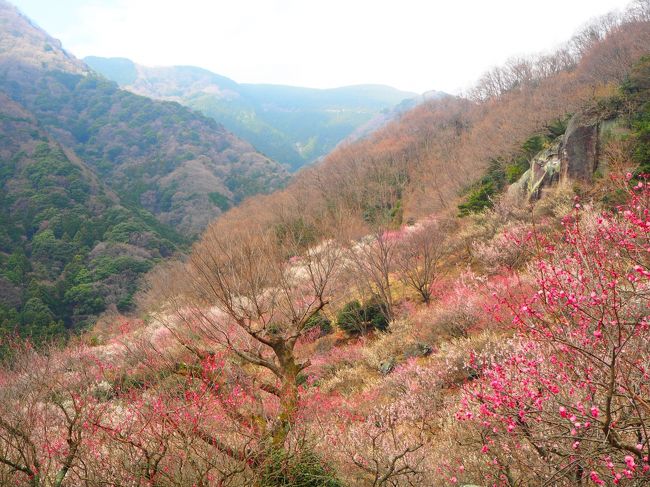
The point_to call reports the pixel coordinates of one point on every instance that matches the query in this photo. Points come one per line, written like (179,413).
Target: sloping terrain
(97,183)
(68,247)
(181,166)
(289,124)
(461,299)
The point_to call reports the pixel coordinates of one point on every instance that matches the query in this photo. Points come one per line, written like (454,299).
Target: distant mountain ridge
(147,150)
(292,125)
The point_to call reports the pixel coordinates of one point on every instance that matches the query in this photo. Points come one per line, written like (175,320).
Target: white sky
(415,45)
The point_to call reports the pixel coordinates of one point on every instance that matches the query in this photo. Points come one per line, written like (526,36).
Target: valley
(293,125)
(219,284)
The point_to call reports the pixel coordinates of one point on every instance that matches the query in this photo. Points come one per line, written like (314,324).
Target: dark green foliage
(385,212)
(519,164)
(642,141)
(107,266)
(220,201)
(49,279)
(296,469)
(349,318)
(321,322)
(480,195)
(636,90)
(17,266)
(515,171)
(36,313)
(479,198)
(85,299)
(558,127)
(245,185)
(533,145)
(501,172)
(396,213)
(641,137)
(356,319)
(37,322)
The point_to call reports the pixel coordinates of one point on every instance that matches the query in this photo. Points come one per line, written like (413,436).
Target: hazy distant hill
(386,116)
(290,124)
(96,183)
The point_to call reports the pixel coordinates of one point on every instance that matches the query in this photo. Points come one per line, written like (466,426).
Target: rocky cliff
(574,156)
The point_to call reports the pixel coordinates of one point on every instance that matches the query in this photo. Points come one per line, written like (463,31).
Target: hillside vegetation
(293,125)
(68,248)
(461,299)
(98,184)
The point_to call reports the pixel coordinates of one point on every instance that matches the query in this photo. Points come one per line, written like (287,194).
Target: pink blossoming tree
(570,404)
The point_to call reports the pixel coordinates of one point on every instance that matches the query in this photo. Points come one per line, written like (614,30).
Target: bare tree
(419,256)
(639,11)
(244,297)
(373,262)
(43,407)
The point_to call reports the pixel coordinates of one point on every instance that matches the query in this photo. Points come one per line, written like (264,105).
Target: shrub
(356,319)
(504,250)
(296,469)
(319,321)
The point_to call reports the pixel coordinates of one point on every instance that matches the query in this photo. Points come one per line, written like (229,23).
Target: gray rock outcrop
(580,149)
(574,156)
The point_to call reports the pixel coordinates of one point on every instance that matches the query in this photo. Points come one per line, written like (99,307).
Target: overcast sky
(415,45)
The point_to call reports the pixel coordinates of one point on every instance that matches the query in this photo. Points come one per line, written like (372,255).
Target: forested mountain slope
(290,124)
(97,184)
(160,155)
(68,247)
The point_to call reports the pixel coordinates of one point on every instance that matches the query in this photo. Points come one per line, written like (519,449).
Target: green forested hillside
(97,184)
(159,155)
(68,248)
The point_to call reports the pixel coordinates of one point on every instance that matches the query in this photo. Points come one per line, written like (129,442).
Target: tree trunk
(288,396)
